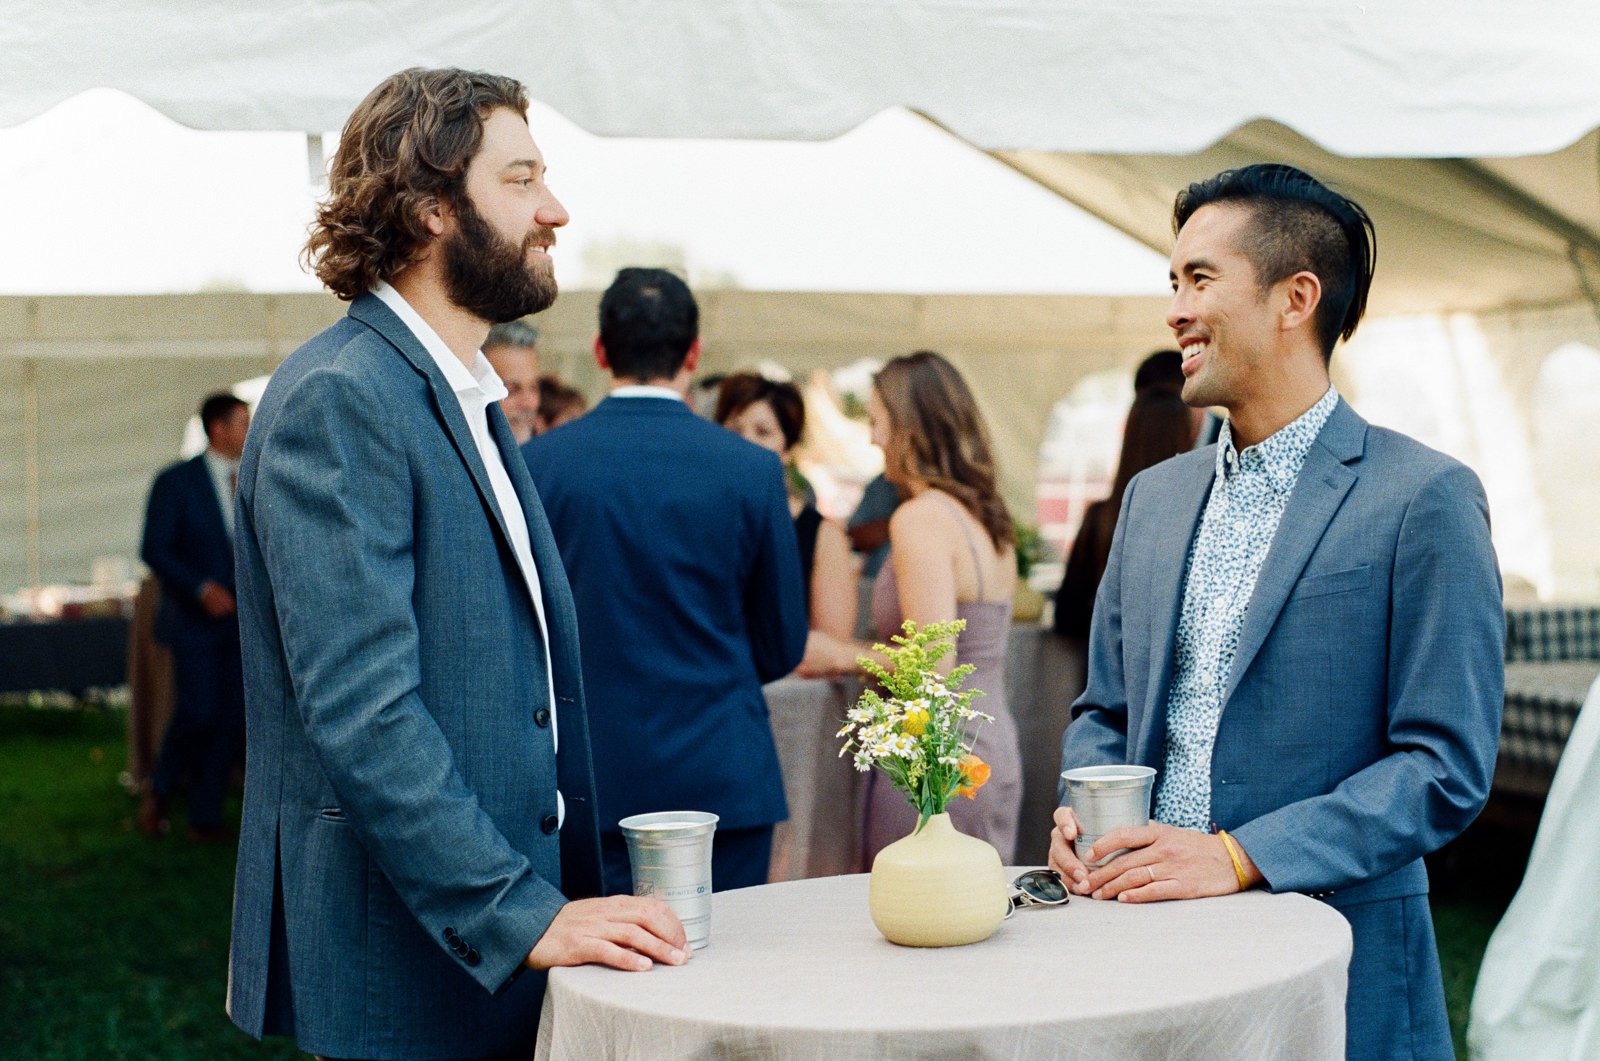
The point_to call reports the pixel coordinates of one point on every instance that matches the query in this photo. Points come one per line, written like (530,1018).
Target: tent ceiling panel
(1393,79)
(1452,234)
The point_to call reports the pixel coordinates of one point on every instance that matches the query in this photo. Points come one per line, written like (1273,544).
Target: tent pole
(30,469)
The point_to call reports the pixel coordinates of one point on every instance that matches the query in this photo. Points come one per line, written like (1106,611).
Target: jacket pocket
(1334,582)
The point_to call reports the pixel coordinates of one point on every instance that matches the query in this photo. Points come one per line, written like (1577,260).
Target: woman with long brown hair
(952,556)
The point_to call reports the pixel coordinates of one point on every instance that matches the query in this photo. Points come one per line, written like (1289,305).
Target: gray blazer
(1362,715)
(399,855)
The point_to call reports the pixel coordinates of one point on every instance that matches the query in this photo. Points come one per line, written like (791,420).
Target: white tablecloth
(797,972)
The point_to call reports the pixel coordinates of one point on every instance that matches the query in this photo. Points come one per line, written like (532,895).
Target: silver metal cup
(671,856)
(1105,798)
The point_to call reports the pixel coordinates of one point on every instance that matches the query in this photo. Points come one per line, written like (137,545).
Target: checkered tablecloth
(1552,658)
(1542,703)
(1551,634)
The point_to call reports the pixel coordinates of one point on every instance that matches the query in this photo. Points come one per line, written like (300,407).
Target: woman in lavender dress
(952,556)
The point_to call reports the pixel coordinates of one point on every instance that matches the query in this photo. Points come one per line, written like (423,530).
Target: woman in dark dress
(1159,426)
(772,414)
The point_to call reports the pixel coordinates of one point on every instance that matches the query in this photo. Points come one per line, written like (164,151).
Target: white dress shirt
(646,390)
(475,390)
(224,479)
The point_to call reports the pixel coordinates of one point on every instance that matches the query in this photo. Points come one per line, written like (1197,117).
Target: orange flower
(974,773)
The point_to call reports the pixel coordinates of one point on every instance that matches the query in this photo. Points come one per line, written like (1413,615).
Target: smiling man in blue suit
(677,537)
(1300,627)
(419,797)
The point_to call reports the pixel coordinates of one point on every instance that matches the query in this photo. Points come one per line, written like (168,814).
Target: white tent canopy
(1465,129)
(1392,79)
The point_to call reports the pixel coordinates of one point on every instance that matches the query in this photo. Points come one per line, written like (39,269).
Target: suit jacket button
(548,823)
(541,717)
(471,957)
(449,935)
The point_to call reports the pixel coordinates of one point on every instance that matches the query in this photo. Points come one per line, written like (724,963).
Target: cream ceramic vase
(938,888)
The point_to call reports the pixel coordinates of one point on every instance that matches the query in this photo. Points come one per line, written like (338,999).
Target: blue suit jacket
(398,858)
(186,545)
(1362,714)
(677,538)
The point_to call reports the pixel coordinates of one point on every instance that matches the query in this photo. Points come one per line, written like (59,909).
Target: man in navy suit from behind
(188,544)
(677,539)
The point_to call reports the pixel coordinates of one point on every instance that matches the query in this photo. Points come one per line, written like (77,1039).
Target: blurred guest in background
(869,524)
(704,394)
(559,403)
(1160,425)
(677,538)
(773,416)
(513,349)
(188,543)
(952,556)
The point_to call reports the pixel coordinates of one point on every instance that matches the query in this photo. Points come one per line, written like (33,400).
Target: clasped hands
(621,931)
(1162,862)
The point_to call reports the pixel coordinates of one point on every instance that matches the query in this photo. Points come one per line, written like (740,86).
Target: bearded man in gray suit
(419,796)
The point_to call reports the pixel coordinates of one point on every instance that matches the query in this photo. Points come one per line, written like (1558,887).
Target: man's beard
(489,276)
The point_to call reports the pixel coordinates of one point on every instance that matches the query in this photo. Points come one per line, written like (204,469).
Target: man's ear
(600,355)
(691,360)
(1302,294)
(433,216)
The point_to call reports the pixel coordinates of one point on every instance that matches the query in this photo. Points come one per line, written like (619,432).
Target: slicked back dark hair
(1297,224)
(648,322)
(218,407)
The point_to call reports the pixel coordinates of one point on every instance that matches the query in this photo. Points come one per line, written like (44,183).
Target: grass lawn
(113,946)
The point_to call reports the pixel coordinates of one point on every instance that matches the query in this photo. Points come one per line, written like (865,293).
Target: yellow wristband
(1233,853)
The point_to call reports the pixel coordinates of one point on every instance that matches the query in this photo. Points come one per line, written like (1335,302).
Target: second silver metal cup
(671,856)
(1105,798)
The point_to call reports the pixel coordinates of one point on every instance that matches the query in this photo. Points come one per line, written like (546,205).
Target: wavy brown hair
(938,437)
(403,153)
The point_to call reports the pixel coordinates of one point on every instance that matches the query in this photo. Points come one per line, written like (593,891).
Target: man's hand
(218,602)
(1063,856)
(1165,862)
(621,931)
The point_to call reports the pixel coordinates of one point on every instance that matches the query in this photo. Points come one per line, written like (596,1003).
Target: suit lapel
(1318,492)
(1167,555)
(370,310)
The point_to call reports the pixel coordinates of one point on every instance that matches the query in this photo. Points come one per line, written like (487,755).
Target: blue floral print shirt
(1248,496)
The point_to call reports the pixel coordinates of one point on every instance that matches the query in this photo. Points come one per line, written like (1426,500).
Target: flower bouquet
(919,731)
(936,887)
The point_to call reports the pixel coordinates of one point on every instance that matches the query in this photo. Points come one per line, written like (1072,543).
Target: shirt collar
(218,463)
(642,390)
(1282,454)
(480,382)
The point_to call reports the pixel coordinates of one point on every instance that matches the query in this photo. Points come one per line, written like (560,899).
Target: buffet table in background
(64,655)
(797,971)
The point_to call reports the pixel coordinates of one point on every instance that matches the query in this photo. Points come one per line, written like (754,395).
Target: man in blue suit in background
(419,799)
(188,544)
(1300,627)
(677,538)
